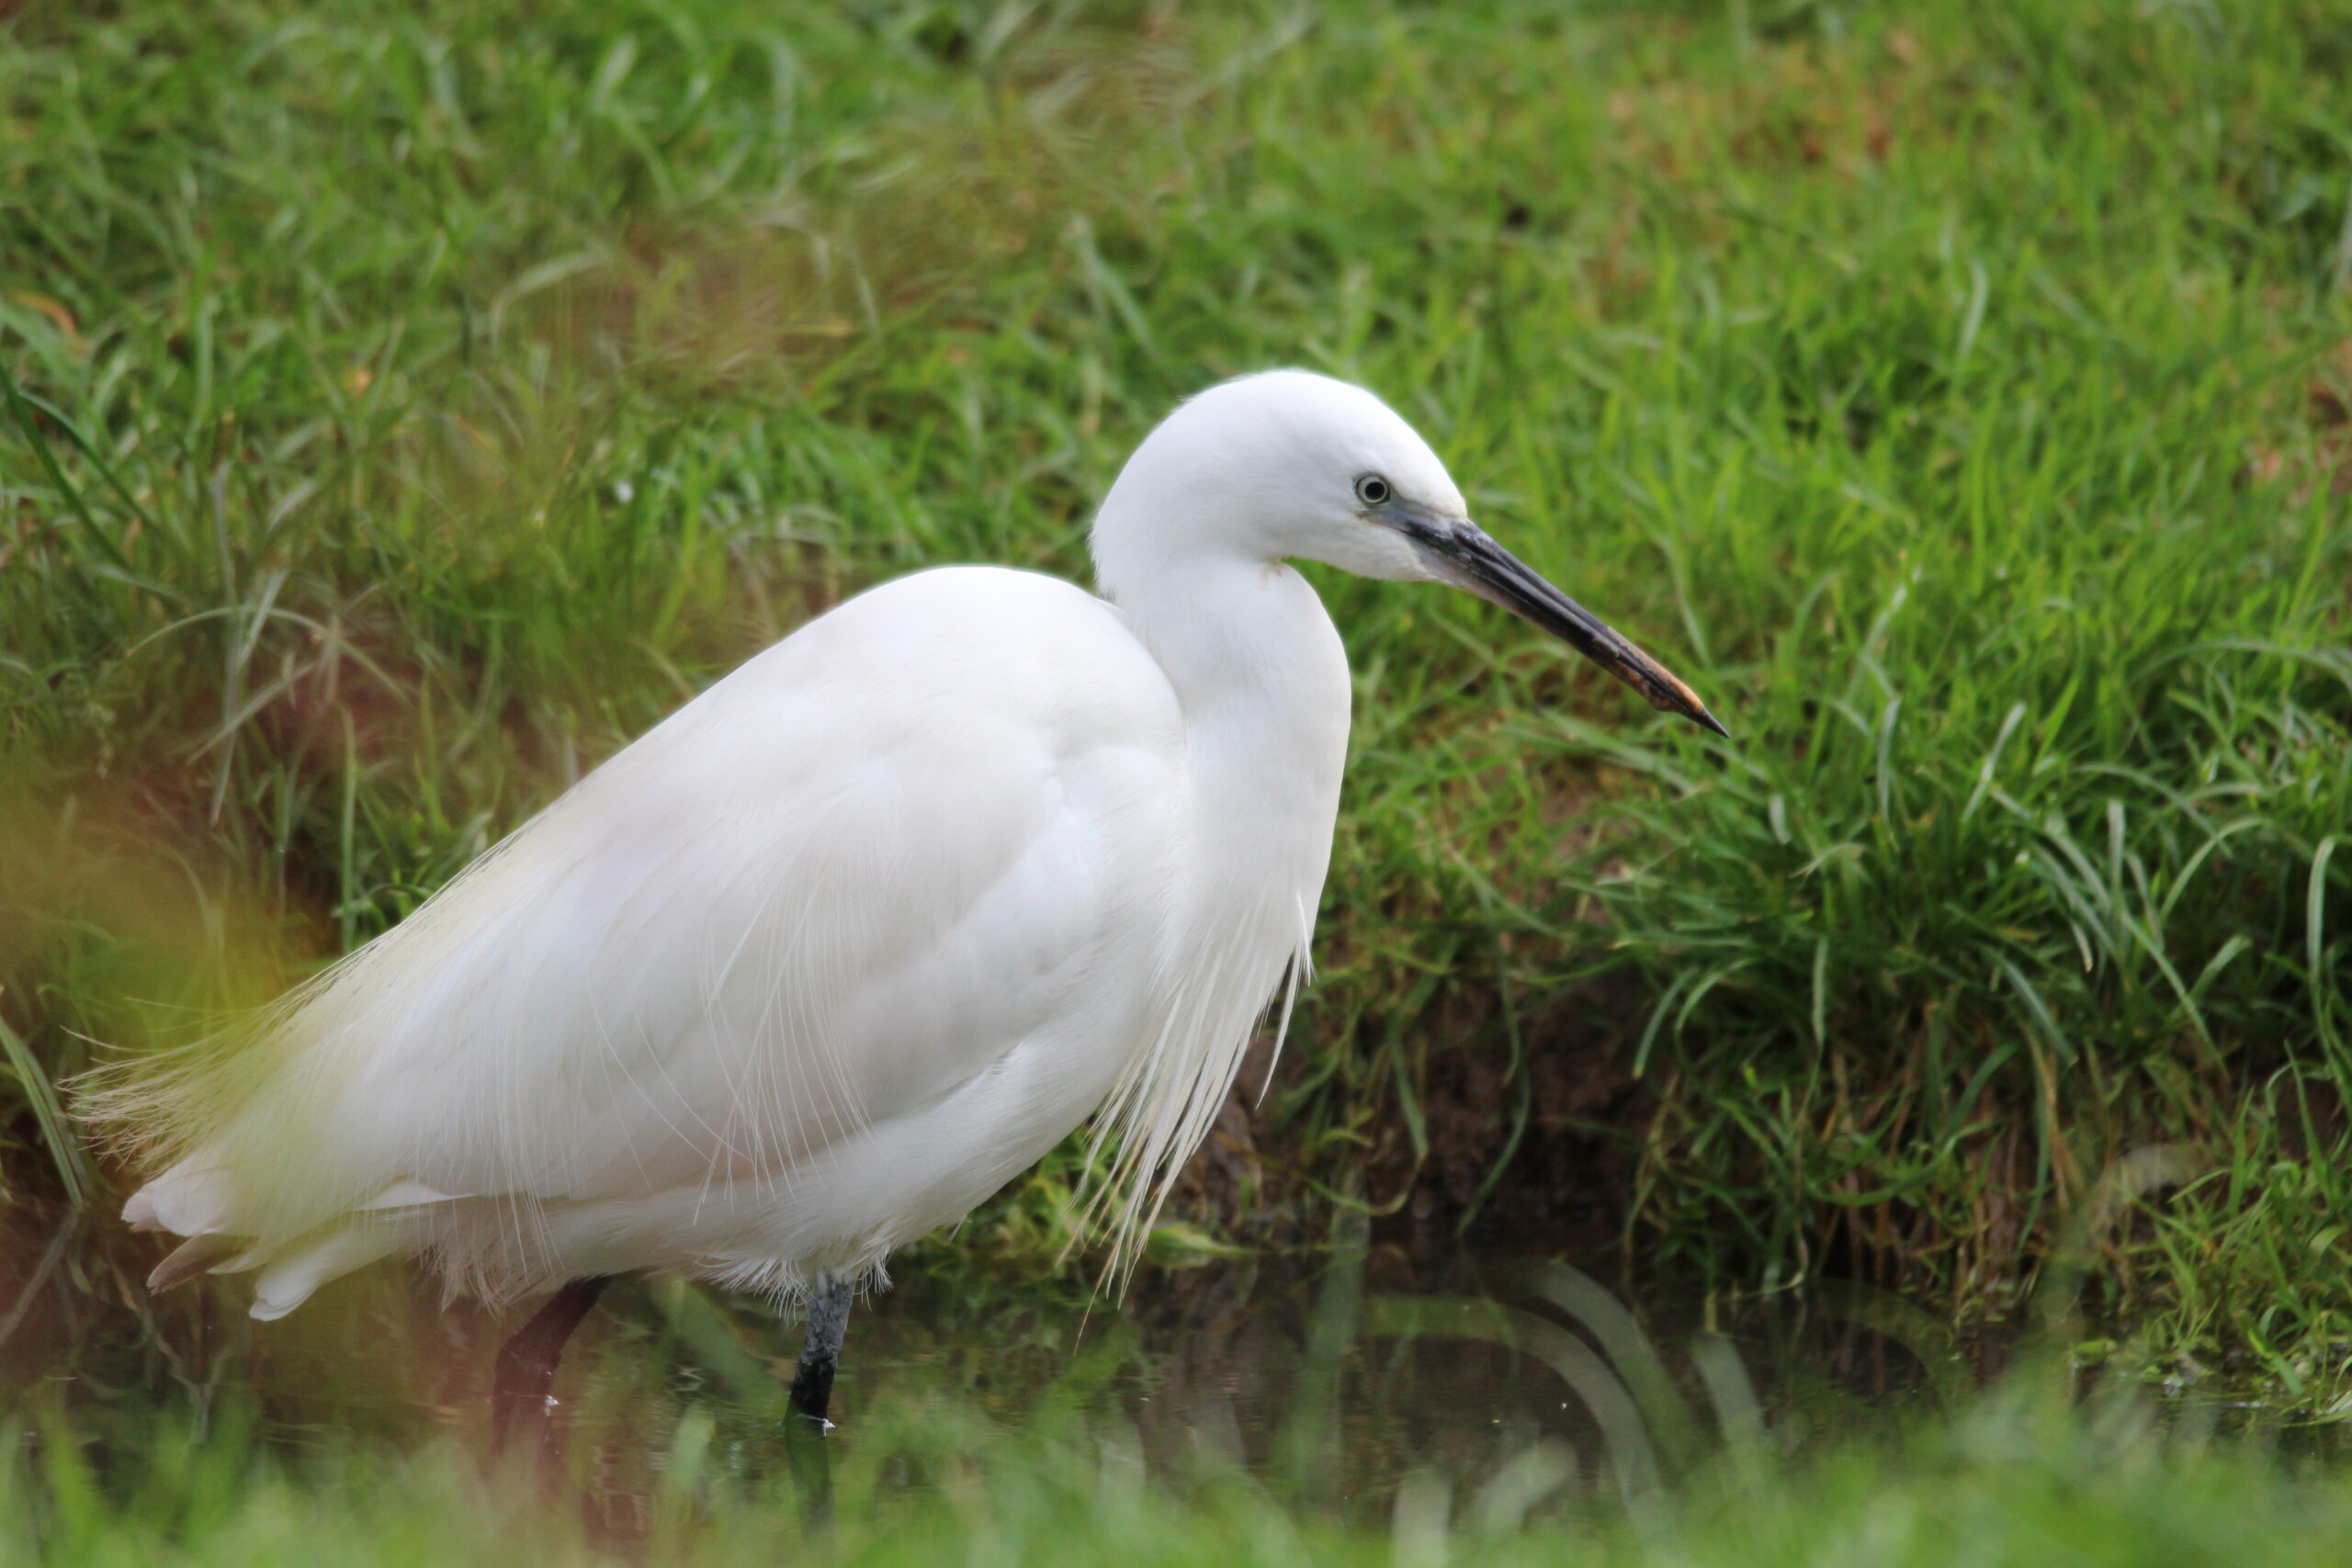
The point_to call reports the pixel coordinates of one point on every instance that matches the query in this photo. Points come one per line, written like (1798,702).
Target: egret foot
(521,1386)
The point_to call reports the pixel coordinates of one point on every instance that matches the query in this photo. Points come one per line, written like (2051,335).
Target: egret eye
(1373,491)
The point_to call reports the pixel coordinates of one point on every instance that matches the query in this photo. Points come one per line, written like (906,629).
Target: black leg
(820,1352)
(526,1372)
(812,1395)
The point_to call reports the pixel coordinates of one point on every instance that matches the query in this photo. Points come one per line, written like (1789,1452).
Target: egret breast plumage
(819,961)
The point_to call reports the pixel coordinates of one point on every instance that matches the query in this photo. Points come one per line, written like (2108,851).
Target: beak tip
(1706,720)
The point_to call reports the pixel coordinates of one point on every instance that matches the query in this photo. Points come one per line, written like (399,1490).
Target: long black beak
(1463,554)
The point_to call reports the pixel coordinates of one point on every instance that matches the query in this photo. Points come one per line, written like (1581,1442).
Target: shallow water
(1332,1376)
(1349,1382)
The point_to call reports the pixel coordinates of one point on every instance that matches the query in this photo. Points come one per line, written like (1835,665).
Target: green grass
(2017,1478)
(1251,1415)
(414,401)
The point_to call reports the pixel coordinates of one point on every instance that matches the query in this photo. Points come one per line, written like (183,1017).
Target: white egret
(830,955)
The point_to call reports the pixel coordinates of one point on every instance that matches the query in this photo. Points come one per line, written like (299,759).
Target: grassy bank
(412,402)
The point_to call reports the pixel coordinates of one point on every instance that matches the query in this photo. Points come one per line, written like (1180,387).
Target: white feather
(826,957)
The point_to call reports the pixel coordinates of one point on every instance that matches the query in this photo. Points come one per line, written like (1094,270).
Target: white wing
(840,883)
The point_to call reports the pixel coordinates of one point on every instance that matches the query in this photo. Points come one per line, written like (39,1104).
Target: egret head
(1290,465)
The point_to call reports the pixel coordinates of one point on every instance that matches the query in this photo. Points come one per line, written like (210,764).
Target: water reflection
(1373,1384)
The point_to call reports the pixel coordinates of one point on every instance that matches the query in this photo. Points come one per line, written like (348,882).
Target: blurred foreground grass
(412,401)
(2017,1479)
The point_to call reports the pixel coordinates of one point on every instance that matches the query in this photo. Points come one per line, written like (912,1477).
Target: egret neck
(1263,680)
